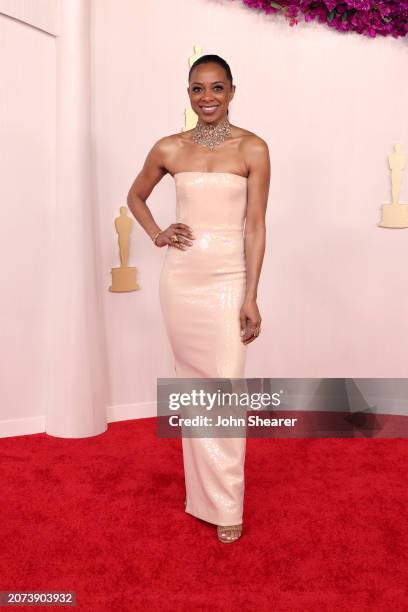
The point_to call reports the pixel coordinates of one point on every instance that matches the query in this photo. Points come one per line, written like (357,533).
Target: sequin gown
(201,292)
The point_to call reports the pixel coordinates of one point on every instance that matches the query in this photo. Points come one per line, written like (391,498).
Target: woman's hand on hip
(181,231)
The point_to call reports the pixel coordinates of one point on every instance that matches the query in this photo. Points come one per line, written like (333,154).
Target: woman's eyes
(196,89)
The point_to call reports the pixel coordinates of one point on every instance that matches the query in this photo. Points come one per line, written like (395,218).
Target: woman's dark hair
(206,59)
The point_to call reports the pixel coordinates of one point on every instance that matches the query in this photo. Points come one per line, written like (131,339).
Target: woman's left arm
(257,154)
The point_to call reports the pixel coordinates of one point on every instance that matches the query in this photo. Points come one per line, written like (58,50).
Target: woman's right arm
(152,172)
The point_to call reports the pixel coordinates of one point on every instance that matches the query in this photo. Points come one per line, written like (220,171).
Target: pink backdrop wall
(333,292)
(27,188)
(333,288)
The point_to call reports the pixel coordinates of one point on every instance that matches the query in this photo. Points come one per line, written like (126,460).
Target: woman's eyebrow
(213,83)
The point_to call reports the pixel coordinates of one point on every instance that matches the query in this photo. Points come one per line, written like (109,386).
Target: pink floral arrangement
(366,17)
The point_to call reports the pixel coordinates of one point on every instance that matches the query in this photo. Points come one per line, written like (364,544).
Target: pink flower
(366,17)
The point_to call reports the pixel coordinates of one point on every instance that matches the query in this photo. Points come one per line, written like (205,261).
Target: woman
(209,280)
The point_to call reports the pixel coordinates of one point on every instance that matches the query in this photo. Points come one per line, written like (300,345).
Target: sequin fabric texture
(201,293)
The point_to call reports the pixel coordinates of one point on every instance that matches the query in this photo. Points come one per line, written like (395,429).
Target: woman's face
(210,92)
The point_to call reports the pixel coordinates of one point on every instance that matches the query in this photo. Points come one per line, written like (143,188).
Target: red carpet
(326,525)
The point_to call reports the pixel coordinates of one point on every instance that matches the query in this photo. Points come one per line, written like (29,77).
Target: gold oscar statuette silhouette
(190,117)
(123,278)
(395,215)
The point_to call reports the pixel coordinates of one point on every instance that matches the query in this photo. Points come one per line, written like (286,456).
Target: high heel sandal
(228,534)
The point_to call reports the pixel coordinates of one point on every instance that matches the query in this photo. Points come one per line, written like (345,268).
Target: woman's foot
(229,533)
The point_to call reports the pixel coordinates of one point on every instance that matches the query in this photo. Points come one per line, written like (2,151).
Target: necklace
(211,135)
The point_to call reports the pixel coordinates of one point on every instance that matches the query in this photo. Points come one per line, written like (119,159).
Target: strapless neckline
(245,178)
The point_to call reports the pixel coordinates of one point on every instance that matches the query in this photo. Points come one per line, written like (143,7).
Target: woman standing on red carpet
(210,275)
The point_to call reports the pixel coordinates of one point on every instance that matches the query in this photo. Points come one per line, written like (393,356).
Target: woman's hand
(183,233)
(250,320)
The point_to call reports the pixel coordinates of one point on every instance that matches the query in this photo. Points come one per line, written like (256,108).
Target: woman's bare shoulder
(250,139)
(171,142)
(167,141)
(254,149)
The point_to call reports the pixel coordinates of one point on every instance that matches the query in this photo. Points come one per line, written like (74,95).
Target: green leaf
(331,15)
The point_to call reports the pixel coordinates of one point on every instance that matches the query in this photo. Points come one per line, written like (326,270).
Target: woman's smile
(209,110)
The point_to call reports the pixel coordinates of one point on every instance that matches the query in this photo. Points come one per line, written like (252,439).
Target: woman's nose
(208,96)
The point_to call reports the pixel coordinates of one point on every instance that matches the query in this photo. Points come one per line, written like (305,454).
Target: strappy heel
(229,533)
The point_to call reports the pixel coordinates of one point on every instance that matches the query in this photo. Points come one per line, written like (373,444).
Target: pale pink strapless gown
(201,293)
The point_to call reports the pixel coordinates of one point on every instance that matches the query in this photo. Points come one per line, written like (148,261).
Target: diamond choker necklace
(211,135)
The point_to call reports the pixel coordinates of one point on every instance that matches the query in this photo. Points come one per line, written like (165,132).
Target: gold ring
(174,238)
